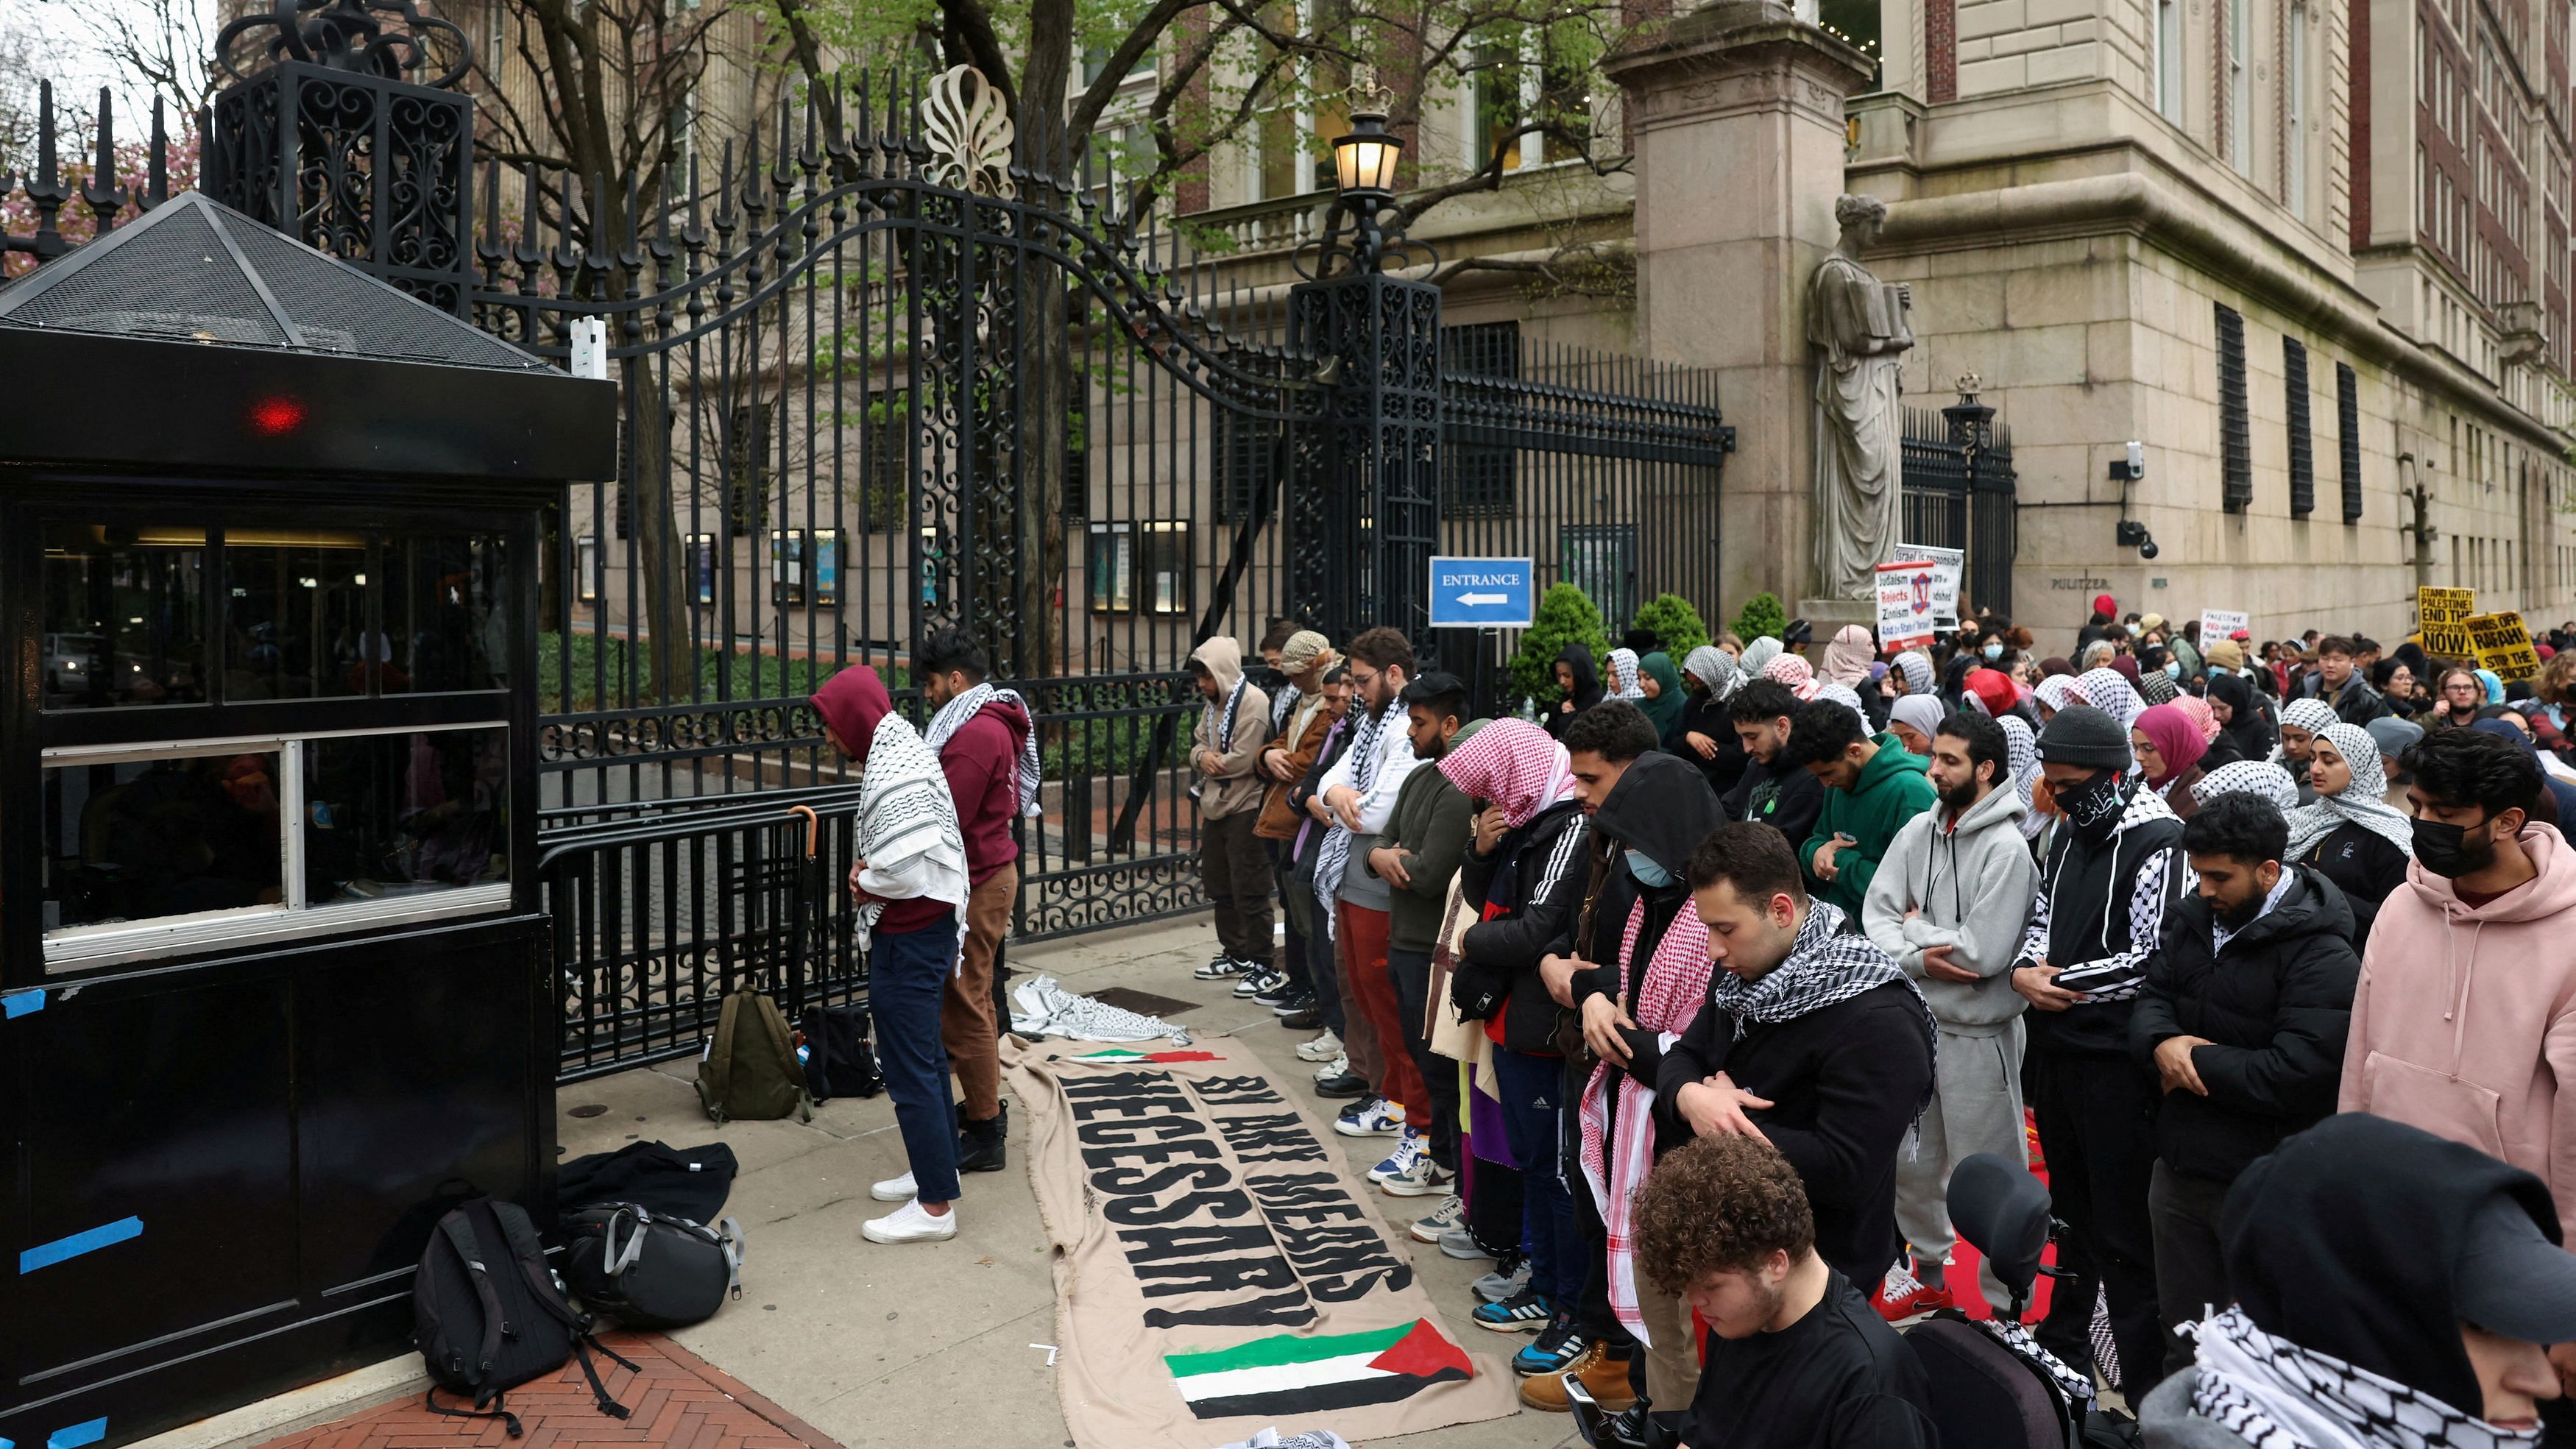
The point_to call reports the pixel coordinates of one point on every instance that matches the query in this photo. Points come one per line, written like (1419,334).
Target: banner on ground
(1219,1268)
(1905,617)
(2442,621)
(1953,566)
(2503,643)
(2217,624)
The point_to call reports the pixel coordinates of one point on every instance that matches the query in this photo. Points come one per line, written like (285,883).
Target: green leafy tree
(1677,627)
(1762,615)
(1565,616)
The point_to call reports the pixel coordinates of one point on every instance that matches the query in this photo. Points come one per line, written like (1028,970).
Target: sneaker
(1306,1017)
(1557,1345)
(1371,1116)
(1603,1377)
(1222,967)
(1420,1176)
(895,1189)
(1461,1244)
(1324,1048)
(1410,1147)
(1259,977)
(1509,1277)
(910,1223)
(1523,1312)
(1278,992)
(1901,1295)
(1445,1218)
(1341,1083)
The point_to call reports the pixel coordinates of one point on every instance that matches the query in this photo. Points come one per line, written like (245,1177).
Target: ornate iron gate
(1960,491)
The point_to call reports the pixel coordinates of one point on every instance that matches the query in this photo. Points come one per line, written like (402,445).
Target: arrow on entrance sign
(1471,600)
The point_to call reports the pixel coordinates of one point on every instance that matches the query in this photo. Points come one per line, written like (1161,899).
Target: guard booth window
(124,618)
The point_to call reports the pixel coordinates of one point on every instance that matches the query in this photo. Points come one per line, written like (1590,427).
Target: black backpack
(839,1061)
(488,1315)
(649,1270)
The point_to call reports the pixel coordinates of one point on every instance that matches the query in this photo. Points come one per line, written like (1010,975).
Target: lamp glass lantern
(1364,158)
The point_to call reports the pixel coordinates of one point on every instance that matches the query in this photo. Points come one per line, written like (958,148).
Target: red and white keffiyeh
(1676,984)
(1793,671)
(1514,765)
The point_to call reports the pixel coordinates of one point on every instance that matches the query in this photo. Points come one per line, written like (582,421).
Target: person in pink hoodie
(2465,1020)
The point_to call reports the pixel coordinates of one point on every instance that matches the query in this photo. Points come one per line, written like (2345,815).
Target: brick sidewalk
(673,1397)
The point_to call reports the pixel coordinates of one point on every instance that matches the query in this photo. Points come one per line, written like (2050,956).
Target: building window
(2235,435)
(1245,452)
(1601,560)
(702,565)
(1497,111)
(885,460)
(587,574)
(1479,471)
(2169,51)
(1163,567)
(2348,437)
(2303,463)
(2240,93)
(1112,567)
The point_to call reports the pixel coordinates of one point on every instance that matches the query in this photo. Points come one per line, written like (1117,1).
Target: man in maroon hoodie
(981,735)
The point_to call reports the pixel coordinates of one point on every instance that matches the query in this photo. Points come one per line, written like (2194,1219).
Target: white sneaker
(1322,1049)
(910,1223)
(895,1189)
(1338,1066)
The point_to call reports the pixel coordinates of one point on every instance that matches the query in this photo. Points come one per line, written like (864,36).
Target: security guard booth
(274,973)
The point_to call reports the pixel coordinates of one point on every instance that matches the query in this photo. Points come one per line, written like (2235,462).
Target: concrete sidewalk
(929,1344)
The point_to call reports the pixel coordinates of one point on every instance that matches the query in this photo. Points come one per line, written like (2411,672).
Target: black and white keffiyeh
(964,706)
(2078,1388)
(907,824)
(2274,1394)
(1826,964)
(1221,726)
(1334,856)
(1282,707)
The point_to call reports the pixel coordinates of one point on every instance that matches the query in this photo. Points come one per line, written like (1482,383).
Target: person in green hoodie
(1872,787)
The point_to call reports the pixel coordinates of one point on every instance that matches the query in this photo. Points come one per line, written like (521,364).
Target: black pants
(2097,1126)
(2191,1273)
(1411,971)
(1236,872)
(1294,962)
(1495,1201)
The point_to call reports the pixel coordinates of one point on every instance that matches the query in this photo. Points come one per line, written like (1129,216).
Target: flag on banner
(1285,1375)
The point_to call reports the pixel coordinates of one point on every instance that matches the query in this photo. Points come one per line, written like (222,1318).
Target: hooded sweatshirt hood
(1224,660)
(1236,786)
(1661,808)
(852,702)
(2460,1008)
(1587,675)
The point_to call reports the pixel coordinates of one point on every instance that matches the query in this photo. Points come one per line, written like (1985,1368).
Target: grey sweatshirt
(1970,889)
(2166,1421)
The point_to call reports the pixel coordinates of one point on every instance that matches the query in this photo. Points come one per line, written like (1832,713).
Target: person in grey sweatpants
(1949,902)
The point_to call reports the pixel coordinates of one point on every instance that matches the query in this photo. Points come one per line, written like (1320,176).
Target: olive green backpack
(749,1071)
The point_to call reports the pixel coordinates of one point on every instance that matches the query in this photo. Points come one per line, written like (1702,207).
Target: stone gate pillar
(1737,116)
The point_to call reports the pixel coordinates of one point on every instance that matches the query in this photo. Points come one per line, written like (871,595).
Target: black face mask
(2444,849)
(2093,808)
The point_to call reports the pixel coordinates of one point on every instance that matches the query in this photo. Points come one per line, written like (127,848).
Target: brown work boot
(1603,1377)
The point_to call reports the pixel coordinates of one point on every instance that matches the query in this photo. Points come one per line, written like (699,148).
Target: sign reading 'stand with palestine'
(2442,621)
(1219,1268)
(2503,643)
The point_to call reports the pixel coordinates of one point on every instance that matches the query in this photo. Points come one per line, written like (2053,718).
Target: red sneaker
(1902,1296)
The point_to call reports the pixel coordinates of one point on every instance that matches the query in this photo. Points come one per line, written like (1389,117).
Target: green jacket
(1892,789)
(1430,826)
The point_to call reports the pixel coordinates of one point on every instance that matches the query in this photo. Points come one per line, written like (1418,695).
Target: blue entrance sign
(1482,593)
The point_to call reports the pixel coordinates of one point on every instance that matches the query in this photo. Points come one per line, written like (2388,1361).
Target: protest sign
(2503,643)
(1953,565)
(1905,617)
(2216,624)
(2441,617)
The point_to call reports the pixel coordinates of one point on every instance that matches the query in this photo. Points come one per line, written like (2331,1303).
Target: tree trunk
(1045,363)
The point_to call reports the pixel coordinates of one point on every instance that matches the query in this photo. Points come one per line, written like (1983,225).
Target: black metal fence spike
(157,178)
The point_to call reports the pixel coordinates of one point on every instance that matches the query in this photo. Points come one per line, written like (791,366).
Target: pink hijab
(1848,656)
(1514,765)
(2177,740)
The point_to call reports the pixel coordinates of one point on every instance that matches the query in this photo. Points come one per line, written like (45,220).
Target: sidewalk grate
(676,1399)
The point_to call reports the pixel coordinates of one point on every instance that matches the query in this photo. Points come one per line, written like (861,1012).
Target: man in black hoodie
(1780,795)
(2243,1019)
(2095,923)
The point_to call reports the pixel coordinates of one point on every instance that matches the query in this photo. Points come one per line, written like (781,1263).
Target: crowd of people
(1681,994)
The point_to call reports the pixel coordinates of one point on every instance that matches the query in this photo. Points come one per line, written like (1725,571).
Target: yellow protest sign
(2503,645)
(2442,616)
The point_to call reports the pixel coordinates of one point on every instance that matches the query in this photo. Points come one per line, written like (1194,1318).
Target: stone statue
(1858,324)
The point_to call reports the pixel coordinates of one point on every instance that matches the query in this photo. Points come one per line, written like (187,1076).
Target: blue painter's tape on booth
(45,1255)
(76,1435)
(19,1003)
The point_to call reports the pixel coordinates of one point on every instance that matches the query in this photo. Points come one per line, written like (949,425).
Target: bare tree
(159,48)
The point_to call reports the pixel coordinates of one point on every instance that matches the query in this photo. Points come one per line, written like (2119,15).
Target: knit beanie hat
(2083,735)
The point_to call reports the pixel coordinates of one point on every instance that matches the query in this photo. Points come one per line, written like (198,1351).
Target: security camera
(2132,469)
(2133,534)
(2147,549)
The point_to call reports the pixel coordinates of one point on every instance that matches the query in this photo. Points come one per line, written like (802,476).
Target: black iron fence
(1960,493)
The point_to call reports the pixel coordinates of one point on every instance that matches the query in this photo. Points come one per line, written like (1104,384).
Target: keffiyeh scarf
(2110,693)
(1514,766)
(2312,715)
(2249,777)
(2196,709)
(2361,803)
(1825,965)
(1623,675)
(1676,977)
(1843,695)
(962,707)
(1793,671)
(1759,654)
(2057,691)
(1221,728)
(1281,707)
(1916,666)
(1713,667)
(2022,751)
(907,824)
(2274,1394)
(2156,687)
(1334,855)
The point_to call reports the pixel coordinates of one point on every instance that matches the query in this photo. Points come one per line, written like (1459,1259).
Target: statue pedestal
(1737,114)
(1827,615)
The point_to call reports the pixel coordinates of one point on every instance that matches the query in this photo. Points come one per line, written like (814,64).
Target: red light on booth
(276,416)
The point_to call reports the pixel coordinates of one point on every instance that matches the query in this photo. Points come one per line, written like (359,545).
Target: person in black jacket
(2242,1018)
(1782,796)
(2096,919)
(1811,1038)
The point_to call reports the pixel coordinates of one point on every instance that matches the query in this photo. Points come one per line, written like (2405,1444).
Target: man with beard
(1417,856)
(2465,1020)
(1354,800)
(1772,791)
(2095,922)
(1948,906)
(2242,1019)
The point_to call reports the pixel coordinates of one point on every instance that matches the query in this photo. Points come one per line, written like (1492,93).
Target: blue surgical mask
(1994,649)
(1648,874)
(2173,669)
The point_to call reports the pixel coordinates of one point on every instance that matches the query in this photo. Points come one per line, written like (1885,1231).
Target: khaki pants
(966,1023)
(1672,1364)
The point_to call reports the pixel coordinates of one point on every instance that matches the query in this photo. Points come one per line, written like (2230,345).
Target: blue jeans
(907,975)
(1533,1089)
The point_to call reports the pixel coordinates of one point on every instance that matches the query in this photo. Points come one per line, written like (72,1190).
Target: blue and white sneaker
(1556,1346)
(1527,1311)
(1410,1172)
(1449,1217)
(1410,1145)
(1370,1117)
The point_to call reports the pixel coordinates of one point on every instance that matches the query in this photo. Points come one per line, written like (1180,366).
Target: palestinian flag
(1286,1374)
